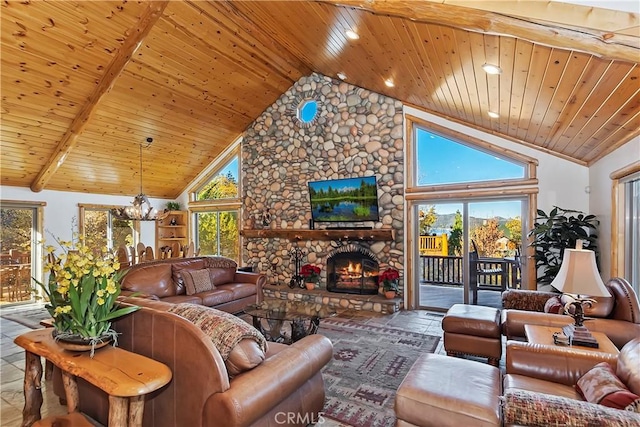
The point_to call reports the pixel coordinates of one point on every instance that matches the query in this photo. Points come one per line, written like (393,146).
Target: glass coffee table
(270,316)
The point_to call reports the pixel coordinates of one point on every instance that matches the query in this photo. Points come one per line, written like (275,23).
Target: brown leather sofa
(164,280)
(618,316)
(443,391)
(286,388)
(555,370)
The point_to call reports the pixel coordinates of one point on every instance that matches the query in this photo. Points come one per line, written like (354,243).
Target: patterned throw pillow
(601,385)
(196,281)
(528,408)
(241,346)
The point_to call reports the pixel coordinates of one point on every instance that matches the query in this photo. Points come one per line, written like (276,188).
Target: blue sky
(440,161)
(231,167)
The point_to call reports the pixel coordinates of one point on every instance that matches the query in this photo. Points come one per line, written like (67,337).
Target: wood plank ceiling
(84,83)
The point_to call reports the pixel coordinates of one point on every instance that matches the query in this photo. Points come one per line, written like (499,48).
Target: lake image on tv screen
(354,199)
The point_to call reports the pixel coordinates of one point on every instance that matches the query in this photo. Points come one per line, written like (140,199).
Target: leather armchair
(621,322)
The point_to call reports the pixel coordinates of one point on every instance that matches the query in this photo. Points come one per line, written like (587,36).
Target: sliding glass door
(18,253)
(456,240)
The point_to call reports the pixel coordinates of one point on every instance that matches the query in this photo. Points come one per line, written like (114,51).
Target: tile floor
(12,358)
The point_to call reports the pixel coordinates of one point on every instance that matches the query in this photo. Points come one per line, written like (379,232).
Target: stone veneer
(374,303)
(356,133)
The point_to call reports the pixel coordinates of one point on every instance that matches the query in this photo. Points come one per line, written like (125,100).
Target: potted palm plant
(557,231)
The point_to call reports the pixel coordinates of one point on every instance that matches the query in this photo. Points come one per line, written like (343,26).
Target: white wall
(600,196)
(561,182)
(62,206)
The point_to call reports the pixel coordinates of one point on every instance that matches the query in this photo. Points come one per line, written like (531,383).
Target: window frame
(82,208)
(526,187)
(619,211)
(38,243)
(196,206)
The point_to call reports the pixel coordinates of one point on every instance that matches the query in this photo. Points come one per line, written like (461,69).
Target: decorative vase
(389,294)
(73,342)
(310,285)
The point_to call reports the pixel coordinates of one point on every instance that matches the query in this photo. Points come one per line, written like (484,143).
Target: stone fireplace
(352,269)
(357,133)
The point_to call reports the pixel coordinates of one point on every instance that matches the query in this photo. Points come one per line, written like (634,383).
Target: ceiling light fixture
(493,114)
(492,69)
(351,35)
(389,83)
(140,209)
(342,76)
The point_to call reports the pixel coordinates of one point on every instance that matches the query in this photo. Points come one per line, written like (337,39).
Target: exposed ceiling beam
(147,20)
(543,28)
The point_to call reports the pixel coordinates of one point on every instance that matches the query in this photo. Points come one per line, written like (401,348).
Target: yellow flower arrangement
(81,290)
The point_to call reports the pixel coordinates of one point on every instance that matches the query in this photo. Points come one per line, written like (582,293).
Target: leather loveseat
(540,384)
(284,388)
(538,389)
(230,290)
(617,316)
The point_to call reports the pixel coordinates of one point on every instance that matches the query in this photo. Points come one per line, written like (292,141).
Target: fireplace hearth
(352,269)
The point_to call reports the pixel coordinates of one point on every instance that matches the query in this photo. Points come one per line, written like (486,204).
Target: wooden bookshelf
(299,235)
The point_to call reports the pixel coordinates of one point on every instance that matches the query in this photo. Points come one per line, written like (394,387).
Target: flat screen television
(344,200)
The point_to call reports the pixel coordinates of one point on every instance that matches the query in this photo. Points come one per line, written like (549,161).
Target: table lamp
(579,279)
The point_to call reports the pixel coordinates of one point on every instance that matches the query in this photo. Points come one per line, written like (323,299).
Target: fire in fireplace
(352,269)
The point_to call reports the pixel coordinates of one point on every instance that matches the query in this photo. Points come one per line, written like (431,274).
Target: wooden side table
(544,335)
(126,377)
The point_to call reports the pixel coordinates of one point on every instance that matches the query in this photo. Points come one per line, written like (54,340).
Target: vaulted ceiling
(84,83)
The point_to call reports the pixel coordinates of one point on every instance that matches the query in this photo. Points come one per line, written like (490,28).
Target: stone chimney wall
(357,133)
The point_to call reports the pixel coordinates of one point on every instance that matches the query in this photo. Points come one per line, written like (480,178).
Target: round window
(307,110)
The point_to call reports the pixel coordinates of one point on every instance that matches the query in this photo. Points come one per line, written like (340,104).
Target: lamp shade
(579,275)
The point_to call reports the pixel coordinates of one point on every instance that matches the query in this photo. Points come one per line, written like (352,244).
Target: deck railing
(434,245)
(442,270)
(448,270)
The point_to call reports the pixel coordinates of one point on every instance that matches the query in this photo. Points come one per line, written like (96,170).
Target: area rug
(369,363)
(28,317)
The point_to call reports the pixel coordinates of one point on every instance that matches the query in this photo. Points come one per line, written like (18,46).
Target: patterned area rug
(369,363)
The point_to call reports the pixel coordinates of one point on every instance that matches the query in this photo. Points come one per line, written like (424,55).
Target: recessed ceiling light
(352,34)
(493,114)
(342,76)
(389,83)
(491,69)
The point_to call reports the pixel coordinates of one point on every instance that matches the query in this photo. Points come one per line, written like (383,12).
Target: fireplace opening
(354,270)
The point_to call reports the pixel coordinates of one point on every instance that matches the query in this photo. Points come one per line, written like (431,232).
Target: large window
(442,160)
(625,236)
(465,197)
(100,228)
(216,210)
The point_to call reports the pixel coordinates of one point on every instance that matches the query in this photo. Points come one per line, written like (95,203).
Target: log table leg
(136,411)
(71,391)
(118,411)
(32,389)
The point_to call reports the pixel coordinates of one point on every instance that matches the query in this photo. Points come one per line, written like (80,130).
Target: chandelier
(140,209)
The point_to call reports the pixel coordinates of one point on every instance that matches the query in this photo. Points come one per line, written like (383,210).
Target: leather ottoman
(473,330)
(446,391)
